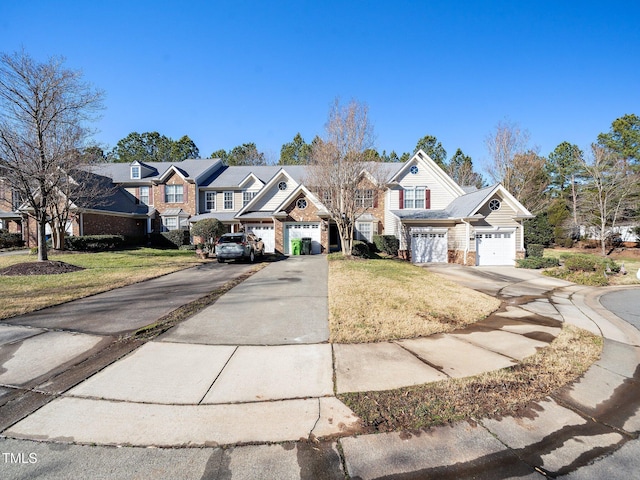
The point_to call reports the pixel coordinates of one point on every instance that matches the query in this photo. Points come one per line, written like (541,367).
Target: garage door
(266,233)
(302,230)
(496,248)
(429,247)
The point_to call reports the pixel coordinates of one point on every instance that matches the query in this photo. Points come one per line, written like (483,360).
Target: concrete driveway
(283,304)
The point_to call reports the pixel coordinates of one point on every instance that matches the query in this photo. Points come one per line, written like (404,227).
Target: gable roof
(296,191)
(444,179)
(263,191)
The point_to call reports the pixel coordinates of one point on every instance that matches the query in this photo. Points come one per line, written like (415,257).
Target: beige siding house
(437,220)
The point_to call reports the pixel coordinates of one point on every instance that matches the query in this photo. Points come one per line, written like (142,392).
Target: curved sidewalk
(203,385)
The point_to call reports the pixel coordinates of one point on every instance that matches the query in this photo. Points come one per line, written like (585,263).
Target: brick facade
(295,214)
(457,256)
(94,224)
(188,193)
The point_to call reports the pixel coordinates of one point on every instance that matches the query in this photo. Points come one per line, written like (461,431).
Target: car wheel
(220,260)
(252,256)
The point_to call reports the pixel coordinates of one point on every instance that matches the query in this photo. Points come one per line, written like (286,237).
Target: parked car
(232,246)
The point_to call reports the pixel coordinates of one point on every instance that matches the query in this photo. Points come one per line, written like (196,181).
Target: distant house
(435,219)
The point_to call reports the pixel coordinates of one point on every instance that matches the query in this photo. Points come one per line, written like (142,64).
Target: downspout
(81,229)
(466,239)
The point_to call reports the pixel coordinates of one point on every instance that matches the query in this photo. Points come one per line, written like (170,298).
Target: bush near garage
(535,250)
(537,262)
(208,230)
(388,244)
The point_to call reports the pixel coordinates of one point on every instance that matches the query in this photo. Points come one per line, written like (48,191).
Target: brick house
(435,219)
(10,219)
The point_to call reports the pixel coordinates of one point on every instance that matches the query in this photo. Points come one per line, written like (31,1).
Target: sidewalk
(222,378)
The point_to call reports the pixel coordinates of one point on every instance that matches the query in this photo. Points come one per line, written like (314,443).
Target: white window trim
(148,202)
(224,200)
(361,235)
(174,194)
(171,227)
(136,172)
(363,200)
(415,198)
(247,196)
(207,205)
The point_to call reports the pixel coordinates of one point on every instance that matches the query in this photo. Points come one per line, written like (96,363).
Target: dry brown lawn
(377,300)
(493,394)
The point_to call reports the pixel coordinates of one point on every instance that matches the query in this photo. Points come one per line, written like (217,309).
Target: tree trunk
(42,240)
(57,236)
(574,197)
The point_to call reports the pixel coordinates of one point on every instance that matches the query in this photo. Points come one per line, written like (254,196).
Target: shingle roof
(461,207)
(465,205)
(222,216)
(103,195)
(421,214)
(121,172)
(232,176)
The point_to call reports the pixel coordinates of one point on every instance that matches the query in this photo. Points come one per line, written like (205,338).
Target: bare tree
(609,189)
(44,110)
(339,171)
(503,144)
(529,180)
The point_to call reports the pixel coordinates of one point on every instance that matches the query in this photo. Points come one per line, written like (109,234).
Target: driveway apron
(283,304)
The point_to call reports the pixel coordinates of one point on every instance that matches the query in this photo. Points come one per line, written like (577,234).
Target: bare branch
(44,115)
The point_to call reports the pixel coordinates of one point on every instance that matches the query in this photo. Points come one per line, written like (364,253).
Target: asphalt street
(625,304)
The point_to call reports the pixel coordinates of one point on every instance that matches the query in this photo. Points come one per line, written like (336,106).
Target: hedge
(388,244)
(588,263)
(10,240)
(537,262)
(360,249)
(172,239)
(95,243)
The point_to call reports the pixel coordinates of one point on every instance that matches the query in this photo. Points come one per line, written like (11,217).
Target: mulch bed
(47,267)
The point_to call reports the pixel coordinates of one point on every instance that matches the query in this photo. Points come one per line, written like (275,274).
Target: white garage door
(496,248)
(266,233)
(429,247)
(302,230)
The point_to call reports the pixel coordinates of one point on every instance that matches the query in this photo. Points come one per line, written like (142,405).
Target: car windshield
(230,239)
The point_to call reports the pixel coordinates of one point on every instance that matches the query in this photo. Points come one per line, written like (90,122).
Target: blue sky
(227,73)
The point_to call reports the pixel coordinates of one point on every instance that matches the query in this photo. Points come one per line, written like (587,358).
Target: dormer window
(135,172)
